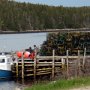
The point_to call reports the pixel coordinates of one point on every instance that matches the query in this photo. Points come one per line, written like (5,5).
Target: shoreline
(47,30)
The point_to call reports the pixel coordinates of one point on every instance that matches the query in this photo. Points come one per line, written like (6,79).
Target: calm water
(15,42)
(10,85)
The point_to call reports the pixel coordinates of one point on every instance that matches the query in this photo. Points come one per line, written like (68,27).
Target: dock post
(16,67)
(84,57)
(76,67)
(35,66)
(63,63)
(79,68)
(63,67)
(67,64)
(22,67)
(53,64)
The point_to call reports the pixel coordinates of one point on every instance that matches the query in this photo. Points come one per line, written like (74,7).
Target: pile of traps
(61,42)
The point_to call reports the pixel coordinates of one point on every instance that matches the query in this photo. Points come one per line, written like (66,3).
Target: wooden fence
(51,65)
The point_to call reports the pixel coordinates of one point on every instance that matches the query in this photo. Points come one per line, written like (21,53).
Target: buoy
(32,55)
(26,54)
(19,54)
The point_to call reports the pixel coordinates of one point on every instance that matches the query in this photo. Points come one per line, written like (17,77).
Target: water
(14,42)
(10,85)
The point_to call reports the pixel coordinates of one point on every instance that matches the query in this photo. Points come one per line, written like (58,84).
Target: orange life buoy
(26,54)
(19,54)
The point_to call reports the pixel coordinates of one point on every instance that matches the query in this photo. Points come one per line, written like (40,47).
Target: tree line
(17,16)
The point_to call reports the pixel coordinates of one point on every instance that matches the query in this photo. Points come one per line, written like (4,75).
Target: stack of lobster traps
(61,42)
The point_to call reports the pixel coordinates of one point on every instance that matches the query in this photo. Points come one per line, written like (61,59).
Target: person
(30,50)
(36,49)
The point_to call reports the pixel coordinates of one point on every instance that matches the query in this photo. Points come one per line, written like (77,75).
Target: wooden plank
(63,62)
(44,69)
(43,73)
(44,64)
(35,65)
(28,62)
(53,64)
(57,64)
(22,67)
(84,57)
(56,57)
(79,65)
(67,63)
(43,58)
(16,67)
(29,70)
(28,65)
(29,74)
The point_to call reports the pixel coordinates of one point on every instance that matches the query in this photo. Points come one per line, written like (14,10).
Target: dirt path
(82,88)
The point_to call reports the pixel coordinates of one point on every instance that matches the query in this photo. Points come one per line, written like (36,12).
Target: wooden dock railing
(50,65)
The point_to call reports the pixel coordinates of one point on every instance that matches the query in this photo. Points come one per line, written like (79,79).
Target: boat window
(2,60)
(9,60)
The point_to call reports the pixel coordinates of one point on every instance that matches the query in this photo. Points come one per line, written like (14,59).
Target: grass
(61,84)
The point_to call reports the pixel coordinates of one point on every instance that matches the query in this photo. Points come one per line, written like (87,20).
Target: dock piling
(84,57)
(22,67)
(35,65)
(67,64)
(79,64)
(53,64)
(16,67)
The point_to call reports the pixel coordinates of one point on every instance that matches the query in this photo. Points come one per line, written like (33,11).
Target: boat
(5,66)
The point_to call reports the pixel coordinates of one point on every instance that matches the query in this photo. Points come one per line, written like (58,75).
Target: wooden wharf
(50,65)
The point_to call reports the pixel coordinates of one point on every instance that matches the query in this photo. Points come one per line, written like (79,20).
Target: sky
(70,3)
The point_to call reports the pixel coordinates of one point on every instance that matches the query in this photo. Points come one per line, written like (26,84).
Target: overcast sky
(60,2)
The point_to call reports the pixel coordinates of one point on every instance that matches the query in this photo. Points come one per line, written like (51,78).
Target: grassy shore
(61,84)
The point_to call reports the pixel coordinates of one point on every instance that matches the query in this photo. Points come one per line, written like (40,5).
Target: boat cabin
(5,62)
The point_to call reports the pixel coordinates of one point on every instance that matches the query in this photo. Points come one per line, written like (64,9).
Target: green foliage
(25,16)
